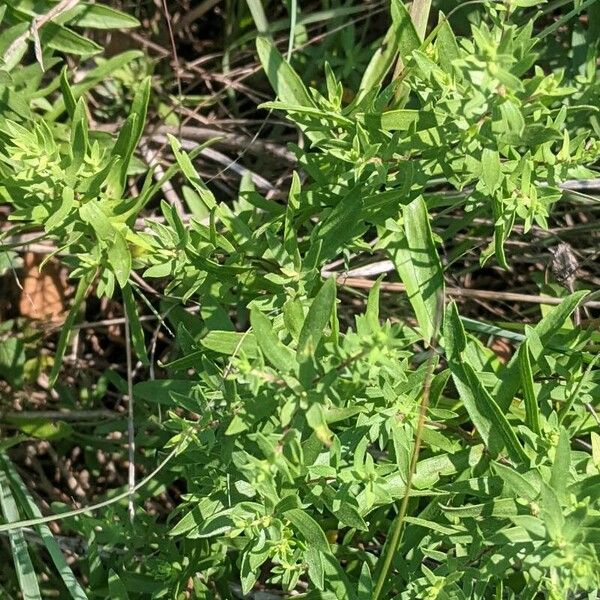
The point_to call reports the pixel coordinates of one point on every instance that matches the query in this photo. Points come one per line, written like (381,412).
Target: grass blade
(25,500)
(23,565)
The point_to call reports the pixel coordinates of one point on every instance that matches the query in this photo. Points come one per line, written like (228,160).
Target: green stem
(394,540)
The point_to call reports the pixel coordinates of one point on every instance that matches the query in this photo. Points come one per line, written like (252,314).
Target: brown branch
(366,284)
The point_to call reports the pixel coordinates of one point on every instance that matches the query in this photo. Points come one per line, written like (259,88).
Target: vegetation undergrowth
(276,420)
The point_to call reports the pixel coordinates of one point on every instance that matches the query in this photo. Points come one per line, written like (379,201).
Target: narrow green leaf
(61,346)
(365,583)
(23,566)
(489,407)
(230,343)
(372,312)
(399,119)
(187,168)
(92,213)
(407,37)
(135,326)
(316,320)
(67,92)
(99,16)
(446,44)
(280,356)
(32,511)
(559,476)
(532,410)
(315,567)
(380,64)
(417,262)
(545,330)
(490,169)
(119,258)
(258,16)
(308,528)
(58,37)
(516,482)
(595,439)
(190,520)
(116,587)
(131,132)
(341,224)
(285,81)
(293,317)
(455,342)
(551,512)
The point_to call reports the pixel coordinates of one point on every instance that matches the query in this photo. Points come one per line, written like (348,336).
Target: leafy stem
(397,527)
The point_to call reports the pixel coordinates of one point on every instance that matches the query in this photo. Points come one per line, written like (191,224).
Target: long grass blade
(28,582)
(32,511)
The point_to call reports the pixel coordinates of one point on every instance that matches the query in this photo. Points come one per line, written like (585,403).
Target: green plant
(306,430)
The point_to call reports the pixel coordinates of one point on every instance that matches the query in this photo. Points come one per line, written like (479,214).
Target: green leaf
(365,583)
(60,38)
(61,346)
(67,92)
(285,81)
(135,326)
(248,575)
(372,312)
(99,16)
(551,512)
(293,317)
(545,330)
(280,356)
(191,520)
(308,528)
(215,525)
(455,343)
(532,410)
(446,44)
(595,439)
(131,132)
(187,168)
(42,429)
(116,587)
(418,264)
(490,169)
(258,16)
(230,343)
(25,500)
(92,213)
(341,224)
(315,567)
(381,61)
(407,38)
(379,65)
(399,119)
(516,482)
(559,476)
(119,258)
(316,320)
(488,407)
(23,566)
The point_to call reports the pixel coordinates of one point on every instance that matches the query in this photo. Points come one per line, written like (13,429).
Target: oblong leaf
(316,320)
(310,530)
(285,81)
(280,356)
(417,262)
